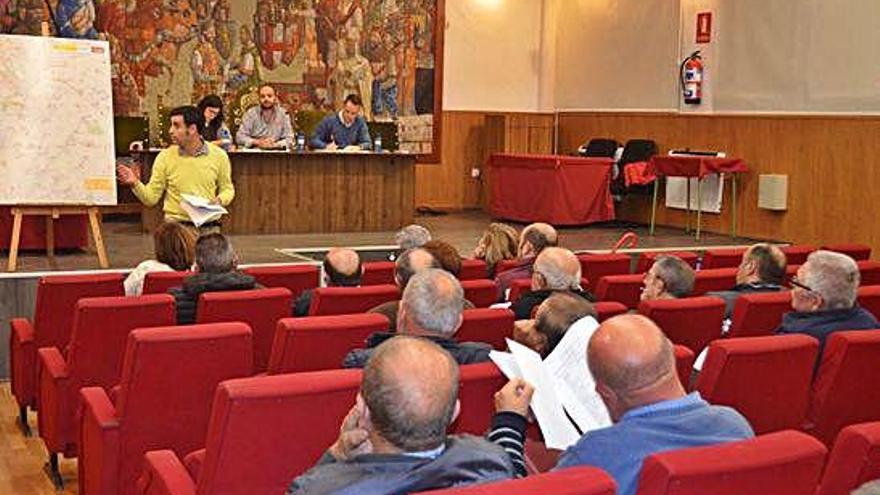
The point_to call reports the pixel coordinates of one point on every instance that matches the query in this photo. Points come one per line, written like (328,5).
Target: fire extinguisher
(691,77)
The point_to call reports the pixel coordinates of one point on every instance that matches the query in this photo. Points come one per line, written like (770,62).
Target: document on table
(200,210)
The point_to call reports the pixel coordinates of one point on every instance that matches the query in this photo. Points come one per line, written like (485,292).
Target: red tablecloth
(560,190)
(694,166)
(71,231)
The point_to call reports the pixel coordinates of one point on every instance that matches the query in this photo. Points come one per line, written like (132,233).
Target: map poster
(56,122)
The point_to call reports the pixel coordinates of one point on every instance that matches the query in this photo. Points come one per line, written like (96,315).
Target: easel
(51,213)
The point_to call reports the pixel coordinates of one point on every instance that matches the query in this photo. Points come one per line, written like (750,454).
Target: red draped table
(560,190)
(695,166)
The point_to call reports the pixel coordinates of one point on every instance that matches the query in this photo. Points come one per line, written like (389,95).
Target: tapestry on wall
(315,52)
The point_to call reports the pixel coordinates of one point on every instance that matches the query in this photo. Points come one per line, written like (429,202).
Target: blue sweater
(331,129)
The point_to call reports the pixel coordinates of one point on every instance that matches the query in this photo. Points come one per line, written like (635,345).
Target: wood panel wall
(833,164)
(468,139)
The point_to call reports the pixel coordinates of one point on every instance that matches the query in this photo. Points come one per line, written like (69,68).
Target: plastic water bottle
(377,144)
(300,141)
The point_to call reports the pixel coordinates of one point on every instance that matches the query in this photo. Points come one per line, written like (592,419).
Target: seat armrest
(164,474)
(52,362)
(21,330)
(98,442)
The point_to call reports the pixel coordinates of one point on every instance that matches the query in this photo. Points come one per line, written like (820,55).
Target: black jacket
(522,308)
(821,324)
(463,352)
(186,298)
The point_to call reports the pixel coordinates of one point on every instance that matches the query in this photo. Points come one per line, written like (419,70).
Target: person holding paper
(633,365)
(265,126)
(190,166)
(344,130)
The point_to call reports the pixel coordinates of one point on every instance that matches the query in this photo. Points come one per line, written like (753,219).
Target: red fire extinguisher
(691,77)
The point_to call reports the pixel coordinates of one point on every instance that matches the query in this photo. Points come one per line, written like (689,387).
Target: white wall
(492,57)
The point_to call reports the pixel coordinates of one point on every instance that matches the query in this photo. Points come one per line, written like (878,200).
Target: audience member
(412,236)
(431,307)
(634,367)
(533,239)
(408,264)
(445,254)
(555,269)
(215,267)
(498,243)
(762,270)
(869,488)
(669,277)
(175,247)
(394,440)
(823,297)
(342,268)
(554,317)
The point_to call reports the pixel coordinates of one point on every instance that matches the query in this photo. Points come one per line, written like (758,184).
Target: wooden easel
(51,213)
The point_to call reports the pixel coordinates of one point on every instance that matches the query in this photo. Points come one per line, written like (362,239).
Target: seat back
(378,273)
(692,322)
(169,376)
(505,265)
(56,303)
(581,480)
(518,287)
(684,364)
(722,258)
(259,308)
(857,252)
(608,309)
(843,392)
(767,379)
(473,270)
(796,254)
(315,343)
(869,271)
(759,313)
(646,260)
(854,460)
(482,293)
(783,463)
(596,266)
(350,300)
(600,148)
(715,279)
(490,326)
(638,150)
(265,431)
(295,278)
(869,298)
(161,282)
(477,387)
(625,289)
(100,332)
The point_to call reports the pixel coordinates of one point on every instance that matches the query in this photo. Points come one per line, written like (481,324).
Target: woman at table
(175,248)
(215,130)
(499,242)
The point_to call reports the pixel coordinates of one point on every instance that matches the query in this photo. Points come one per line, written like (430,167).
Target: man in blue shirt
(633,365)
(344,129)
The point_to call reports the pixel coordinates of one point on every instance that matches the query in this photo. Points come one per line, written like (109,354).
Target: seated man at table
(762,270)
(556,269)
(533,239)
(342,268)
(670,277)
(265,126)
(344,130)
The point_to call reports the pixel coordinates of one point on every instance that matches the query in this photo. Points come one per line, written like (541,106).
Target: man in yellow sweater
(190,166)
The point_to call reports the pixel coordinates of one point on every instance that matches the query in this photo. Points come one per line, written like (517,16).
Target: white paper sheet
(200,210)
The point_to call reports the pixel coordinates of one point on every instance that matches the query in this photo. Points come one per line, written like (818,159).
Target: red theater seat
(783,463)
(259,308)
(854,460)
(716,279)
(161,282)
(378,273)
(857,252)
(684,364)
(481,293)
(870,272)
(692,321)
(350,300)
(490,326)
(722,258)
(295,278)
(767,379)
(53,321)
(505,265)
(647,259)
(149,411)
(869,298)
(93,358)
(473,270)
(263,432)
(759,313)
(797,254)
(317,343)
(519,287)
(608,309)
(596,266)
(625,289)
(479,382)
(581,480)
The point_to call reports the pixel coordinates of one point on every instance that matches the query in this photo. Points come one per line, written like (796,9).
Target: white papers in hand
(200,210)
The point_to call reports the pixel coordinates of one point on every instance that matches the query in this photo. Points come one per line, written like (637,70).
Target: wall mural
(171,52)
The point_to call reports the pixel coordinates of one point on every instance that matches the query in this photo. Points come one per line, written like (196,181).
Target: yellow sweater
(207,176)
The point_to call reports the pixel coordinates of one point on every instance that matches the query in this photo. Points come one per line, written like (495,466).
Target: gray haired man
(668,278)
(555,269)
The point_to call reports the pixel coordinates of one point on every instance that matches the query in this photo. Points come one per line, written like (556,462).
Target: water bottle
(300,141)
(377,144)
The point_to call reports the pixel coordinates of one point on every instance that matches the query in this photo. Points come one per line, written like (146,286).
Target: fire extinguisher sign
(704,27)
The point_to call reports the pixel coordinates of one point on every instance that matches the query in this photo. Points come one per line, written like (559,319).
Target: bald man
(533,239)
(633,365)
(762,270)
(408,264)
(394,438)
(342,268)
(431,307)
(555,269)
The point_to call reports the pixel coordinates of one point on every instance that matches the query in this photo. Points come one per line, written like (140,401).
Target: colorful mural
(171,52)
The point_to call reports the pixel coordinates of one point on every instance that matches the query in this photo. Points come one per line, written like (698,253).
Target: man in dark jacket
(555,269)
(431,307)
(342,268)
(393,441)
(762,270)
(823,297)
(215,267)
